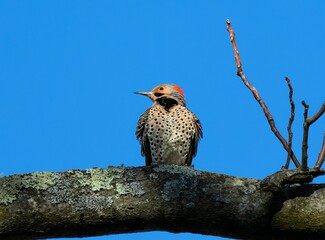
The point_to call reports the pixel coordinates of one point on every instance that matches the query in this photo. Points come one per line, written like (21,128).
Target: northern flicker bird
(168,131)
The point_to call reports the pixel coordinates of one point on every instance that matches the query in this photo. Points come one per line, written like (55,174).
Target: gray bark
(168,198)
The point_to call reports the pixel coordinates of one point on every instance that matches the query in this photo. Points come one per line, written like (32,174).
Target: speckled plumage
(168,132)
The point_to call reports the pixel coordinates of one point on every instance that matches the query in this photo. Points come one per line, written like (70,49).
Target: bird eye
(161,88)
(158,94)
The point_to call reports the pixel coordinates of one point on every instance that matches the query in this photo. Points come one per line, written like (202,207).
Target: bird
(168,132)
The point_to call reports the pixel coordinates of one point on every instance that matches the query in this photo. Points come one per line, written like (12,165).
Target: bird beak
(148,94)
(144,93)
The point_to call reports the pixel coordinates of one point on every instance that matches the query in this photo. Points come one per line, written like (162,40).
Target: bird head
(166,91)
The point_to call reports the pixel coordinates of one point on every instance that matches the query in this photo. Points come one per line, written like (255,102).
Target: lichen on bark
(170,198)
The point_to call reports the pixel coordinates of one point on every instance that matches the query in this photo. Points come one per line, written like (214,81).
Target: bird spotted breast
(168,132)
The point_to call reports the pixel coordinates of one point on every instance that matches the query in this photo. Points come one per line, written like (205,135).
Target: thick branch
(170,198)
(256,95)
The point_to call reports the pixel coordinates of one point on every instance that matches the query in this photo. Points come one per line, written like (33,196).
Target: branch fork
(307,121)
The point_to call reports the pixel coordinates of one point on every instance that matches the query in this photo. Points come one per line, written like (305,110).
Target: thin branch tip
(317,115)
(303,102)
(291,119)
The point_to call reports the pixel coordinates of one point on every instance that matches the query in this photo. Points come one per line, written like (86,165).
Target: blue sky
(68,70)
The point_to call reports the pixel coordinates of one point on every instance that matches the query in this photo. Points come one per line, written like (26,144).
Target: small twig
(234,46)
(321,156)
(317,115)
(291,119)
(256,95)
(304,156)
(307,123)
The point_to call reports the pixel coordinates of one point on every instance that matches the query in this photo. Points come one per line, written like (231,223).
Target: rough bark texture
(170,198)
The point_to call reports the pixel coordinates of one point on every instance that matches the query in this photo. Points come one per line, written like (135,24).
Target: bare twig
(291,119)
(317,115)
(234,46)
(321,156)
(304,155)
(307,123)
(256,95)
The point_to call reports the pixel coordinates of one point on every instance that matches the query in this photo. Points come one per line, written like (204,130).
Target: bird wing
(198,134)
(141,134)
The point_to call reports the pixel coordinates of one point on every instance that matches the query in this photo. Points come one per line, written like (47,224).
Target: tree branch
(317,115)
(256,95)
(170,198)
(321,156)
(307,123)
(291,119)
(304,155)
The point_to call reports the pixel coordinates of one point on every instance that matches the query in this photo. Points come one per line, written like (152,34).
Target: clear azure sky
(68,70)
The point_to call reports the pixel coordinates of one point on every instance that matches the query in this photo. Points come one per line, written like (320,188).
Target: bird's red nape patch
(178,89)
